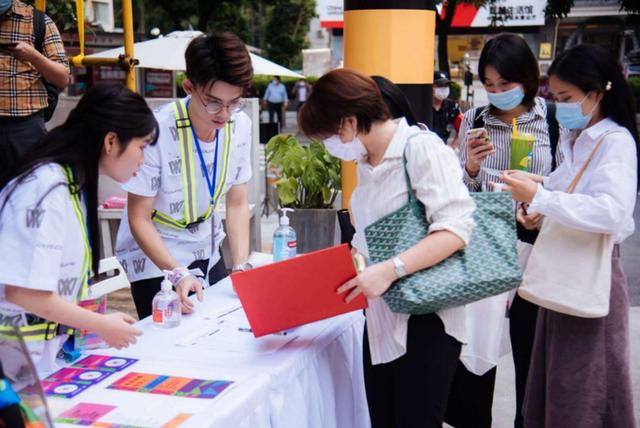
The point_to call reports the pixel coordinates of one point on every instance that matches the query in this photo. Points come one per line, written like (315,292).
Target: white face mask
(354,150)
(441,93)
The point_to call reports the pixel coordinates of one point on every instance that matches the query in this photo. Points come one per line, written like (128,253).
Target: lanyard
(210,182)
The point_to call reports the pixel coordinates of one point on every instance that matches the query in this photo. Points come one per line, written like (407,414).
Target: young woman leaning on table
(49,224)
(580,366)
(409,360)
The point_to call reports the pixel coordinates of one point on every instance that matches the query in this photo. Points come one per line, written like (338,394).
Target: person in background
(23,71)
(252,91)
(276,99)
(509,72)
(409,361)
(445,110)
(49,237)
(203,155)
(301,92)
(579,374)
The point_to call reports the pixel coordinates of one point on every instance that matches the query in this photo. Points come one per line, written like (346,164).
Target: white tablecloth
(315,380)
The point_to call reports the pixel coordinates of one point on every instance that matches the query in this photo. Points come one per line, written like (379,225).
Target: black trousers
(276,108)
(522,324)
(412,390)
(144,290)
(470,399)
(19,135)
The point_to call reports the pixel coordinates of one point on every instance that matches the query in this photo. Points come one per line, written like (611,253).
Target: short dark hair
(396,100)
(338,94)
(219,56)
(512,58)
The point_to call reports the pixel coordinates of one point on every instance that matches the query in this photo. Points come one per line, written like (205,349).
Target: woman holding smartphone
(580,373)
(509,72)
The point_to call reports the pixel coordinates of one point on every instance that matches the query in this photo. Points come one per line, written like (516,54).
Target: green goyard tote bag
(486,267)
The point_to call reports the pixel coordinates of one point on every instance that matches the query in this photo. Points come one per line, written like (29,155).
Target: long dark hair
(512,58)
(592,68)
(78,143)
(395,100)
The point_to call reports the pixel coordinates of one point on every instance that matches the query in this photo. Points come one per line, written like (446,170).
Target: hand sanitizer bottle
(284,239)
(166,311)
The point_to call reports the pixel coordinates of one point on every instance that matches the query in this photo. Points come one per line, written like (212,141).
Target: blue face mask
(5,5)
(569,115)
(507,100)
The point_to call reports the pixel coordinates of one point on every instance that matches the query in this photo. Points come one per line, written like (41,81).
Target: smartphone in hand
(477,136)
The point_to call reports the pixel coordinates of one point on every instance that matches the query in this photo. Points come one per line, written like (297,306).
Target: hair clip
(607,87)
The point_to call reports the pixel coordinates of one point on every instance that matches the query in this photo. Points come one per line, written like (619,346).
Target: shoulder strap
(584,166)
(38,29)
(554,131)
(183,125)
(478,120)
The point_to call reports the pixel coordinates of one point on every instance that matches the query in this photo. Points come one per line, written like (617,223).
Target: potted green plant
(309,183)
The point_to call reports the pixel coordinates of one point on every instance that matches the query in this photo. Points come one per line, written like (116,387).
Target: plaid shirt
(22,91)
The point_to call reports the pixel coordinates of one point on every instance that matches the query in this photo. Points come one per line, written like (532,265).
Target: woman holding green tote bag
(409,359)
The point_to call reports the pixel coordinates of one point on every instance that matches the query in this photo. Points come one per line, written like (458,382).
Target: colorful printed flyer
(84,414)
(104,362)
(170,385)
(106,416)
(86,340)
(71,381)
(72,374)
(63,389)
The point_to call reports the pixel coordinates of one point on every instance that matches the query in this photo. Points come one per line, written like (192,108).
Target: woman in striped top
(509,72)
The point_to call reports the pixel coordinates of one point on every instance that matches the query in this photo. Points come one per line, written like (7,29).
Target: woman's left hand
(522,188)
(372,282)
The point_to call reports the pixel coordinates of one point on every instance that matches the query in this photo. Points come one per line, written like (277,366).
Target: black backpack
(552,123)
(525,235)
(52,92)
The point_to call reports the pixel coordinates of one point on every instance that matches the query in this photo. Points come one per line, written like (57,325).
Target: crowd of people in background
(420,370)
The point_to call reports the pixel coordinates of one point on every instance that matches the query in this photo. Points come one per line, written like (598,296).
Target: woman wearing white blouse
(580,366)
(409,360)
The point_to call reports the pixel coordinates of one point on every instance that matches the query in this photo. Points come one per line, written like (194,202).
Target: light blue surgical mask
(569,115)
(5,5)
(507,100)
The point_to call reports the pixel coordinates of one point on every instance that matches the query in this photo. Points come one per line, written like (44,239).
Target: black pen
(248,330)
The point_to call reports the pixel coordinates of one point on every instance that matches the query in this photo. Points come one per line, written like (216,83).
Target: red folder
(297,291)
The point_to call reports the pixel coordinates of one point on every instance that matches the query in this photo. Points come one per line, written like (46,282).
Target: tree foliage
(279,27)
(286,31)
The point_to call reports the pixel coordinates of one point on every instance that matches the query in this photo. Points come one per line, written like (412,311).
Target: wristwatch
(399,267)
(241,267)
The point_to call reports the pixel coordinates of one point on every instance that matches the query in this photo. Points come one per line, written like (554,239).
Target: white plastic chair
(110,284)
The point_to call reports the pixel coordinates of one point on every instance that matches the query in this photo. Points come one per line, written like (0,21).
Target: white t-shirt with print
(42,248)
(161,177)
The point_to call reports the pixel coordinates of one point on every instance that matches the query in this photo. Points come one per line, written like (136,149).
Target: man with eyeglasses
(203,155)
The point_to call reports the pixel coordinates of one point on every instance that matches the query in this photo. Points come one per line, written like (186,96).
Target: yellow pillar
(127,23)
(394,39)
(41,4)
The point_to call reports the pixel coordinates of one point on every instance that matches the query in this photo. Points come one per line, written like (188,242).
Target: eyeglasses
(215,107)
